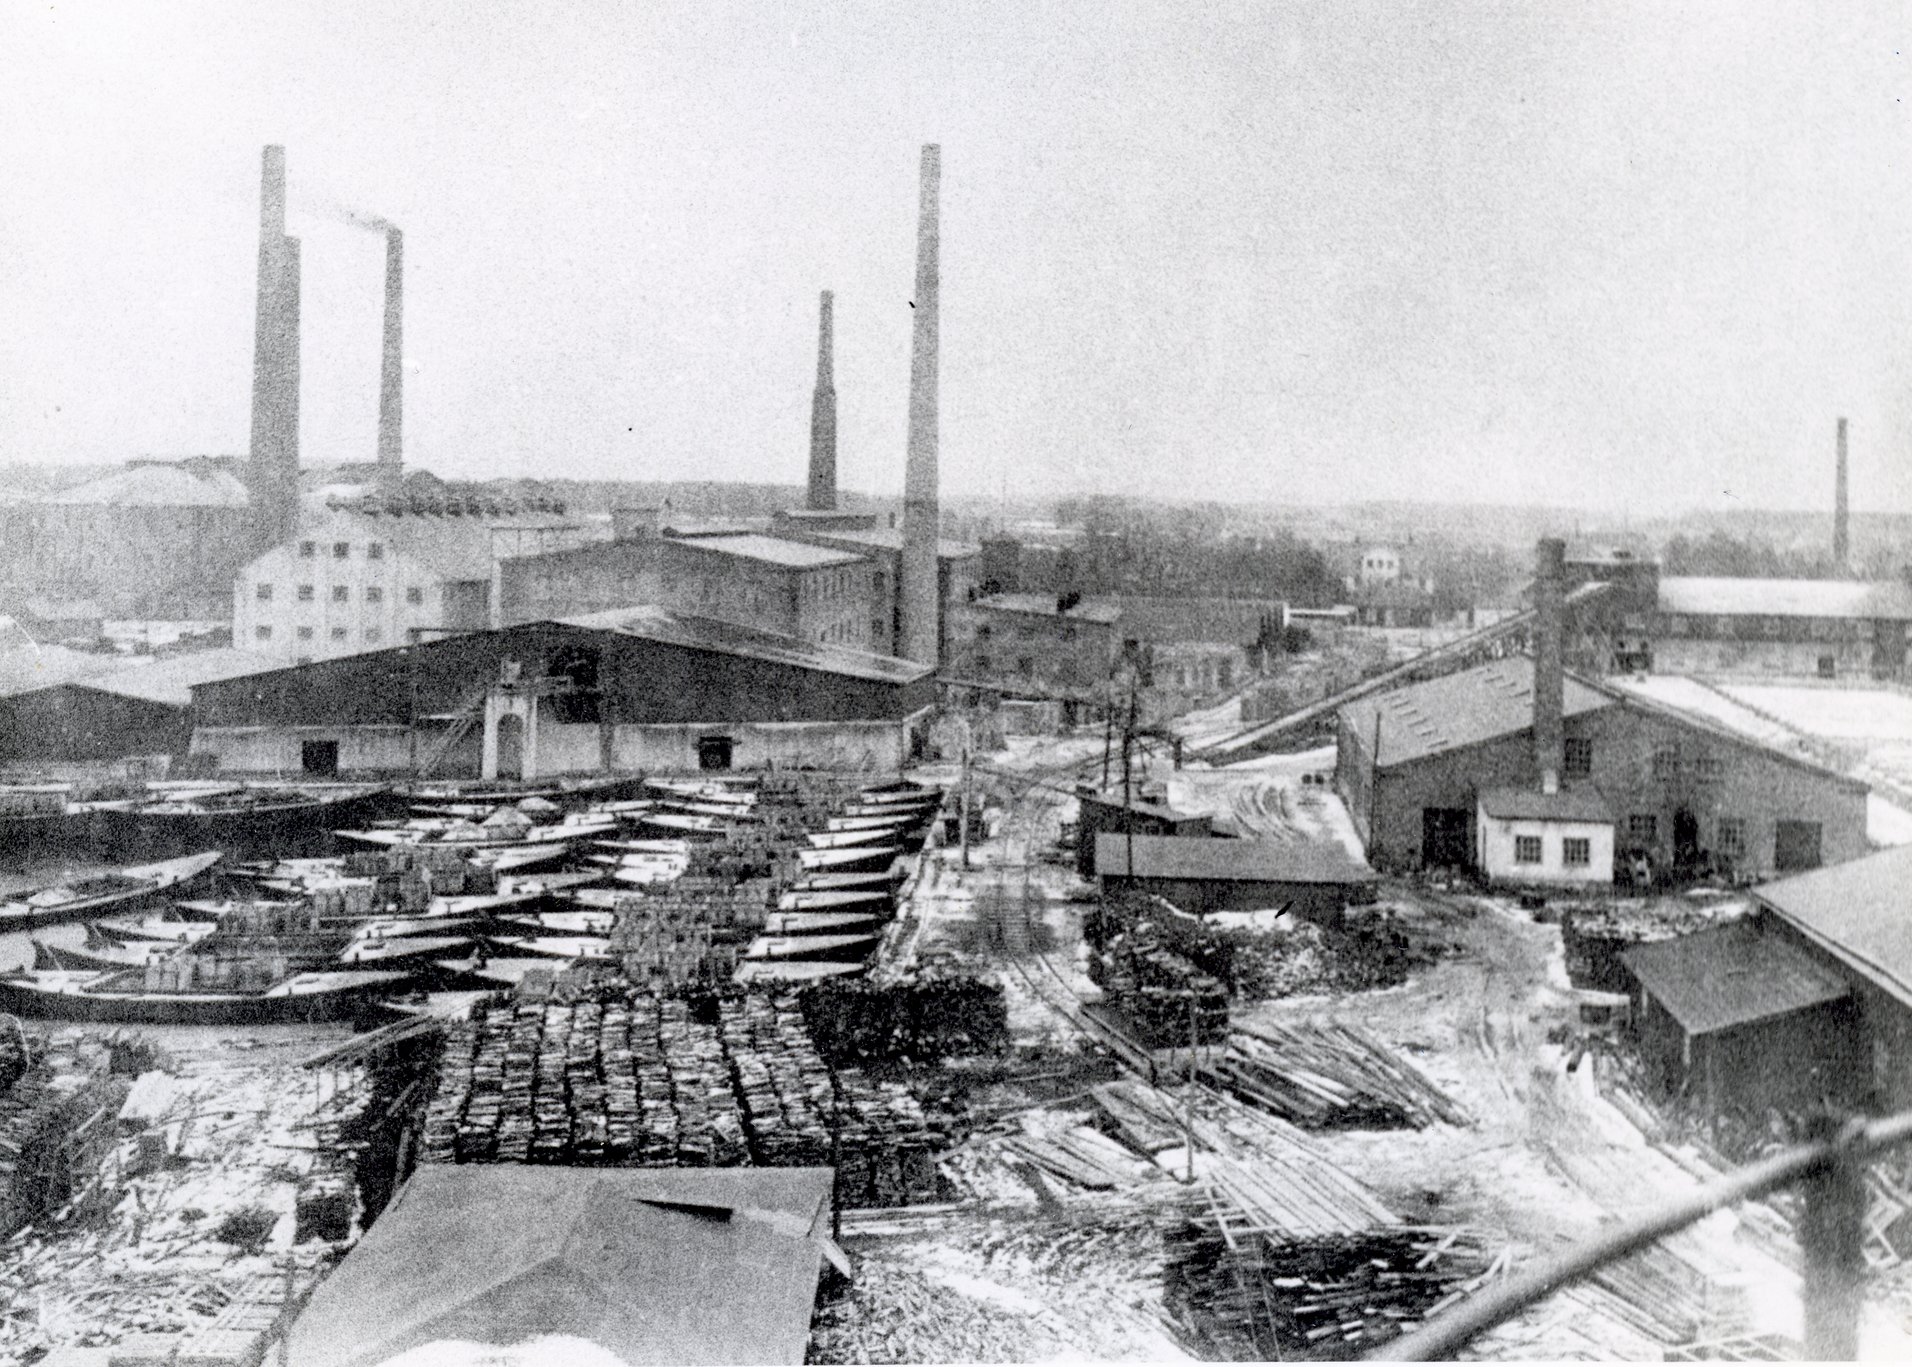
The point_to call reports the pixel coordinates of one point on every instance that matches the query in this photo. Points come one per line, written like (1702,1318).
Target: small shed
(1528,836)
(665,1265)
(1311,879)
(1141,814)
(1742,1019)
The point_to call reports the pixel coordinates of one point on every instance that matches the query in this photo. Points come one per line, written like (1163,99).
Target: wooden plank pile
(1270,1299)
(1663,1296)
(925,1016)
(1329,1075)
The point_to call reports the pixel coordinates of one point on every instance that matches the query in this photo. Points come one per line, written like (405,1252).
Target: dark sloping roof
(1729,976)
(1857,911)
(654,1265)
(1479,704)
(1720,597)
(1225,861)
(728,638)
(1530,804)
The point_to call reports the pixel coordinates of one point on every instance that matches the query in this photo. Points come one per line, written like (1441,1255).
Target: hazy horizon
(1636,258)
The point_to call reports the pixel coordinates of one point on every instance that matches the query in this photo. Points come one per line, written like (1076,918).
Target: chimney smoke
(391,380)
(1841,546)
(1550,742)
(921,636)
(822,493)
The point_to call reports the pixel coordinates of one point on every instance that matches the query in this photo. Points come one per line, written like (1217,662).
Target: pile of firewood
(1328,1075)
(926,1016)
(1166,999)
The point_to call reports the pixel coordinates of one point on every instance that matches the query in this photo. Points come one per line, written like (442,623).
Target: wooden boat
(166,927)
(385,951)
(234,816)
(847,882)
(409,927)
(443,794)
(466,836)
(547,884)
(898,797)
(38,816)
(602,899)
(120,998)
(627,809)
(95,958)
(554,946)
(661,846)
(509,858)
(864,900)
(491,971)
(560,923)
(641,874)
(838,947)
(849,840)
(711,789)
(885,822)
(923,812)
(792,970)
(722,810)
(784,923)
(80,899)
(857,859)
(684,823)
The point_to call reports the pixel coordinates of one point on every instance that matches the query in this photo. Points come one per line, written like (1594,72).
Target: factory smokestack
(391,379)
(921,636)
(822,497)
(274,452)
(1550,742)
(1841,546)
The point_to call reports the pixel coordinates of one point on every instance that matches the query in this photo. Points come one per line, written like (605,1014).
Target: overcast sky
(1553,252)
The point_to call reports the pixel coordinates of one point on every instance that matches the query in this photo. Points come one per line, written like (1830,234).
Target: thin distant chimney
(921,636)
(1841,546)
(823,494)
(1550,743)
(391,378)
(289,305)
(265,469)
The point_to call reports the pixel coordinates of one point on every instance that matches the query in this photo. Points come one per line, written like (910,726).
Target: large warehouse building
(634,689)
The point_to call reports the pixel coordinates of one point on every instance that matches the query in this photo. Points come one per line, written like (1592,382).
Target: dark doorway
(1795,846)
(1446,838)
(1686,839)
(511,746)
(320,758)
(713,752)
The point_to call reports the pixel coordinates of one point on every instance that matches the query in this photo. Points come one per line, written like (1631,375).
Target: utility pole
(962,817)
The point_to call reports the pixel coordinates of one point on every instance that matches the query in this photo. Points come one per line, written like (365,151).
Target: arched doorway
(511,746)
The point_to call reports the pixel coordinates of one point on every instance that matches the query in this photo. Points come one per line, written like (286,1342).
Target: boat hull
(23,997)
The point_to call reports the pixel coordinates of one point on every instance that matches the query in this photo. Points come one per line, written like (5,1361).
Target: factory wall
(74,723)
(575,583)
(1829,659)
(1681,781)
(317,604)
(829,604)
(152,561)
(281,750)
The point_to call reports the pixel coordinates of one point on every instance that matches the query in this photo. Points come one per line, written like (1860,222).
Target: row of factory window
(1752,628)
(833,584)
(342,550)
(371,635)
(341,593)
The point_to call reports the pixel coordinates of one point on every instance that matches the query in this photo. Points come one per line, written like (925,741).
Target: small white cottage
(1562,838)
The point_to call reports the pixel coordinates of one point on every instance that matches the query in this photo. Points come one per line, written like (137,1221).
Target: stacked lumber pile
(1329,1075)
(1163,995)
(1265,1299)
(646,1081)
(928,1015)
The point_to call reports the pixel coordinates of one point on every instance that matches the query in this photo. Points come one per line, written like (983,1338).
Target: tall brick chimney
(823,494)
(920,637)
(289,304)
(391,376)
(1550,744)
(1841,546)
(268,450)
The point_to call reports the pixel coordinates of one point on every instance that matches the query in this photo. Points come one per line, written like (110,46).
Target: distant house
(1800,628)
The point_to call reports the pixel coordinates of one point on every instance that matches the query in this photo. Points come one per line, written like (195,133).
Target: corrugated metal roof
(1786,598)
(171,680)
(1104,610)
(1729,976)
(707,633)
(1530,804)
(800,555)
(1857,911)
(1475,705)
(654,1265)
(1224,861)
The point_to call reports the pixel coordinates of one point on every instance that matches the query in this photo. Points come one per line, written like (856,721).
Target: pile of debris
(1302,959)
(1329,1075)
(1596,934)
(1263,1300)
(648,1081)
(925,1016)
(1166,999)
(56,1130)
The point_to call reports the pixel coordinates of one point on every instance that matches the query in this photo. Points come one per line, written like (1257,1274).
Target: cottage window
(305,593)
(414,596)
(264,593)
(305,633)
(1732,837)
(341,549)
(262,633)
(375,550)
(308,549)
(341,594)
(374,594)
(1526,849)
(1577,758)
(1643,828)
(1828,667)
(1576,851)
